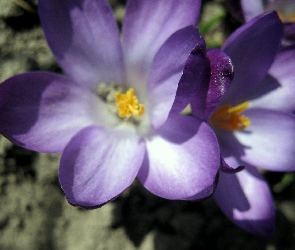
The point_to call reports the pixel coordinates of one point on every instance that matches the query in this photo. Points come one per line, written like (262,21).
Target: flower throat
(125,105)
(229,118)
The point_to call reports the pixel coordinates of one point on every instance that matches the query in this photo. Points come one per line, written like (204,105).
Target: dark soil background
(34,213)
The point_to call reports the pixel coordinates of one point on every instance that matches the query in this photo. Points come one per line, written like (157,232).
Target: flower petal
(147,25)
(277,90)
(230,150)
(212,91)
(42,111)
(269,142)
(246,200)
(289,32)
(84,38)
(252,49)
(182,161)
(167,70)
(252,8)
(195,74)
(97,165)
(225,167)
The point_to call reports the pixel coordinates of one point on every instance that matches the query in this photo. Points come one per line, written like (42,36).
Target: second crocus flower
(253,121)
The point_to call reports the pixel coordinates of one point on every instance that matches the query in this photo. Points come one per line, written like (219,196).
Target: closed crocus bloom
(115,115)
(252,118)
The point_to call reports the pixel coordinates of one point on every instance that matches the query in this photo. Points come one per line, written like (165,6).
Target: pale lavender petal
(230,150)
(269,141)
(225,167)
(84,38)
(167,70)
(277,90)
(245,198)
(147,25)
(42,111)
(211,93)
(252,8)
(182,160)
(252,49)
(98,164)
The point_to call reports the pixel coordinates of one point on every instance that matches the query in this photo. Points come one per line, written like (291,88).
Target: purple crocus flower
(245,10)
(111,115)
(253,121)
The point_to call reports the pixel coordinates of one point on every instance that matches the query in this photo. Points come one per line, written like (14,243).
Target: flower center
(230,118)
(284,8)
(127,104)
(121,108)
(286,18)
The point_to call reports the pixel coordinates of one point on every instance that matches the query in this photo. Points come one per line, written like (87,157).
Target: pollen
(229,118)
(285,18)
(127,104)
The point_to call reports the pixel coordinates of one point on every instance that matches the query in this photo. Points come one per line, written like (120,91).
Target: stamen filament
(230,118)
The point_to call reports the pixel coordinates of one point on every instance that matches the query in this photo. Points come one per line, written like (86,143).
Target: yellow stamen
(127,104)
(286,18)
(230,118)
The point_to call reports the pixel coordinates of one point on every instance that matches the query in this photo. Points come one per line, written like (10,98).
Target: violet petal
(225,167)
(147,25)
(269,141)
(211,94)
(167,70)
(84,38)
(195,75)
(245,198)
(42,111)
(277,90)
(252,49)
(252,8)
(97,165)
(182,161)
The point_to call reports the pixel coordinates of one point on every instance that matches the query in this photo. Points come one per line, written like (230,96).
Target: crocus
(111,115)
(245,10)
(253,121)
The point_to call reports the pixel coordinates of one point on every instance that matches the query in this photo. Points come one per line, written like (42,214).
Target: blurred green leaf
(206,26)
(284,183)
